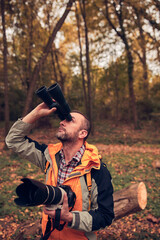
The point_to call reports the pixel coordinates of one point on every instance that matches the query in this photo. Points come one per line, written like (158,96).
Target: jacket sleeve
(101,213)
(18,141)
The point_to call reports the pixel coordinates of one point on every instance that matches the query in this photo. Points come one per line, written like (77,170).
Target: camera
(34,193)
(54,91)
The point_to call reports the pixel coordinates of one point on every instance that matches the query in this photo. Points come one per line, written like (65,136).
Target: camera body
(59,102)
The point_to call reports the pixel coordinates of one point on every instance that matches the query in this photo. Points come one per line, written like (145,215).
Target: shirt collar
(77,156)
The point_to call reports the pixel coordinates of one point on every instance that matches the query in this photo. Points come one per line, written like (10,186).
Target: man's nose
(62,123)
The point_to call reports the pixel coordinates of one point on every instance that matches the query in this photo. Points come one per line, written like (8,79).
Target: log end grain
(142,195)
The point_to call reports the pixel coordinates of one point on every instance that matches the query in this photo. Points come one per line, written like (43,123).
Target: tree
(44,55)
(115,91)
(117,10)
(89,101)
(81,58)
(143,10)
(144,15)
(57,71)
(133,33)
(5,66)
(27,38)
(142,56)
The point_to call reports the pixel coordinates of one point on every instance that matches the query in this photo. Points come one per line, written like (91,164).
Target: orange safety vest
(89,160)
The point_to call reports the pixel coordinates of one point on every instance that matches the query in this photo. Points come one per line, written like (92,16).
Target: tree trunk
(61,75)
(122,34)
(132,99)
(143,58)
(126,201)
(30,45)
(44,56)
(116,115)
(83,11)
(81,61)
(5,74)
(54,66)
(53,48)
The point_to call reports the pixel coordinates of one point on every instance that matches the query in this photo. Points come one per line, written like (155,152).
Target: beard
(63,136)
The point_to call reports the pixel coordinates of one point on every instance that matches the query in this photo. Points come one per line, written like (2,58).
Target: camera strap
(48,230)
(56,224)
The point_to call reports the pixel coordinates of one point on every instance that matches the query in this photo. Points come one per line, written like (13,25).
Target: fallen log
(127,201)
(130,200)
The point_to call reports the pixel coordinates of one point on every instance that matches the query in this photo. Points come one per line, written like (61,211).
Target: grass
(125,168)
(13,168)
(130,168)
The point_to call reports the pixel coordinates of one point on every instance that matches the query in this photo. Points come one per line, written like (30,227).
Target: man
(69,162)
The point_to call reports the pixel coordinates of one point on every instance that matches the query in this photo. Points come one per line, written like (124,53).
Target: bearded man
(70,162)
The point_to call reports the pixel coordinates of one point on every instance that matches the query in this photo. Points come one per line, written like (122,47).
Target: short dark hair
(86,123)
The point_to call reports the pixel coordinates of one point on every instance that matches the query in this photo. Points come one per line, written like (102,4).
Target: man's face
(69,131)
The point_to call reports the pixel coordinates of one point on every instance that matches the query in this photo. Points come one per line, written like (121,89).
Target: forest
(105,55)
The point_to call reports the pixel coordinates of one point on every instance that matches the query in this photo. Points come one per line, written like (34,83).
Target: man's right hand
(41,110)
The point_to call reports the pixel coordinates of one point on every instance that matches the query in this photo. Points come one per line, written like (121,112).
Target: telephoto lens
(34,193)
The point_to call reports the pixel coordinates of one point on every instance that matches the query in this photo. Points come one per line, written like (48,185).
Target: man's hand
(66,216)
(40,111)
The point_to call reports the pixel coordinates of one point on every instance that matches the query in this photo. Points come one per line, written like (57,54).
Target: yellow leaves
(29,165)
(6,232)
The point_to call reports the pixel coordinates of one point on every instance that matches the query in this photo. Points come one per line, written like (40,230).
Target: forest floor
(129,155)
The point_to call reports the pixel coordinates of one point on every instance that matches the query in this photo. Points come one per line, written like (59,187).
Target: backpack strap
(47,163)
(47,166)
(89,185)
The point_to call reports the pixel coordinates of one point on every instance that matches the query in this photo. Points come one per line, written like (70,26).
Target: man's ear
(83,133)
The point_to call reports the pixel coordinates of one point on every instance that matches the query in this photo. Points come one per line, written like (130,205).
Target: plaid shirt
(66,169)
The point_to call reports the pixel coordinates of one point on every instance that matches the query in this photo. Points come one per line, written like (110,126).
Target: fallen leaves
(152,219)
(115,149)
(131,228)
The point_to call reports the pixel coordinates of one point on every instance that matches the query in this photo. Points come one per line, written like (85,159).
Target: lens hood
(34,193)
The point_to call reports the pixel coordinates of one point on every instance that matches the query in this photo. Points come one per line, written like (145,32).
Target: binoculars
(54,91)
(34,193)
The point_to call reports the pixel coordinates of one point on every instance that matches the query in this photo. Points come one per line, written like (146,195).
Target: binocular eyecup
(54,91)
(34,193)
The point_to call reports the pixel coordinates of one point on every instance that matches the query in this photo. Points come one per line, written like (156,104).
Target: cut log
(126,201)
(130,200)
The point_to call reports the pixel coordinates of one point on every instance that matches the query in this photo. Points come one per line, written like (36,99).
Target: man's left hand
(66,215)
